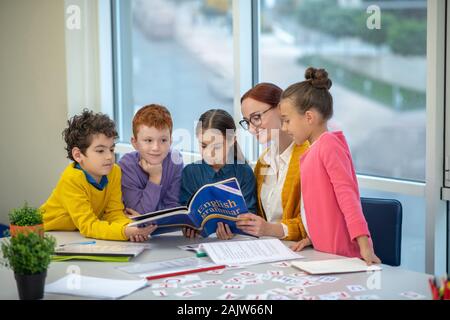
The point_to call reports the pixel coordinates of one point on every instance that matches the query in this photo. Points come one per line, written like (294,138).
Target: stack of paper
(346,265)
(90,258)
(98,252)
(77,285)
(233,253)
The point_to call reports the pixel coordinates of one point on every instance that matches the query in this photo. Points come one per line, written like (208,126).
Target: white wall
(33,100)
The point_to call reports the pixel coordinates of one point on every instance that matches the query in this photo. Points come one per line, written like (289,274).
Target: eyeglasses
(255,120)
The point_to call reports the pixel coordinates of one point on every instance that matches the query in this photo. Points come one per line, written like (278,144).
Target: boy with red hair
(151,175)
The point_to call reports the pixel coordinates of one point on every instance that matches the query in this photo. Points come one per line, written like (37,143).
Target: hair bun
(318,78)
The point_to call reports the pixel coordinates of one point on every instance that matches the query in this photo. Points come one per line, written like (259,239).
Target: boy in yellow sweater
(88,196)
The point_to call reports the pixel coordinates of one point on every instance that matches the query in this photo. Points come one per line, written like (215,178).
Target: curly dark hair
(81,129)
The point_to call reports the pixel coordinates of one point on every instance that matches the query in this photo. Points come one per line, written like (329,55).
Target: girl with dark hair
(221,159)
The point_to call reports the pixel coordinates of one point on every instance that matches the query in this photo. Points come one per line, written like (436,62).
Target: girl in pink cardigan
(330,206)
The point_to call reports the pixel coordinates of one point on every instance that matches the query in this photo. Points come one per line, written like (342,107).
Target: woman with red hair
(277,170)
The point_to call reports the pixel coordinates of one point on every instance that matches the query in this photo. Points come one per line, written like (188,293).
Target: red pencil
(179,273)
(434,289)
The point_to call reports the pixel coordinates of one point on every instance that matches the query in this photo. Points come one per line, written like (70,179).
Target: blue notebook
(218,202)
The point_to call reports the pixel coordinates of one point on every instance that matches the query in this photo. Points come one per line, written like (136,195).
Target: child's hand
(223,231)
(366,251)
(154,171)
(130,213)
(369,256)
(190,233)
(299,246)
(135,234)
(252,224)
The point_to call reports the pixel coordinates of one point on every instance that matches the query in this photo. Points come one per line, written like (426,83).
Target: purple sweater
(140,194)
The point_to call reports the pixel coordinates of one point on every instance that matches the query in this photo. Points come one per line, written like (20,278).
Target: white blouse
(272,187)
(303,214)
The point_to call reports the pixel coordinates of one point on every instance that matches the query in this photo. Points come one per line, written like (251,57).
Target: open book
(248,252)
(213,203)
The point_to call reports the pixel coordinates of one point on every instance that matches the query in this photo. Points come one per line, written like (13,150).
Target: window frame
(436,208)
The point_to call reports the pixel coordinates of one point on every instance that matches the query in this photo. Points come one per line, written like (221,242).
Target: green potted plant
(29,255)
(26,219)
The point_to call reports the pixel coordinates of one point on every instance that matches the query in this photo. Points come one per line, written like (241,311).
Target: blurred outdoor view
(183,59)
(379,76)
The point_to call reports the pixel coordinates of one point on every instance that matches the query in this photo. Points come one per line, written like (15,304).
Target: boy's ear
(76,154)
(134,142)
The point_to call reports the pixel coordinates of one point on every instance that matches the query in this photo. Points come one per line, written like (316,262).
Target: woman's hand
(223,231)
(299,246)
(366,251)
(256,226)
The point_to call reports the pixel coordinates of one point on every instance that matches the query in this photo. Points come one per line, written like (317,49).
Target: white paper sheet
(248,252)
(100,288)
(346,265)
(167,266)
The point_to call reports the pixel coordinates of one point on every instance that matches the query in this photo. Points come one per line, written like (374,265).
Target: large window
(379,75)
(178,53)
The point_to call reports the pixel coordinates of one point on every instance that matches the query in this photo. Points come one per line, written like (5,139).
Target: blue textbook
(218,202)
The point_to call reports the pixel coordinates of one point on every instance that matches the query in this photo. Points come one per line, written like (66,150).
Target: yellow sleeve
(75,200)
(114,211)
(296,230)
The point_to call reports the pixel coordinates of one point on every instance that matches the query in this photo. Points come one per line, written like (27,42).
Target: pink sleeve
(338,164)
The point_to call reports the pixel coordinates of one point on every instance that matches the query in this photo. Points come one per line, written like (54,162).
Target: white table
(386,284)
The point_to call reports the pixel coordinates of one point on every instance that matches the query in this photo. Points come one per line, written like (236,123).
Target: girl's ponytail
(312,93)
